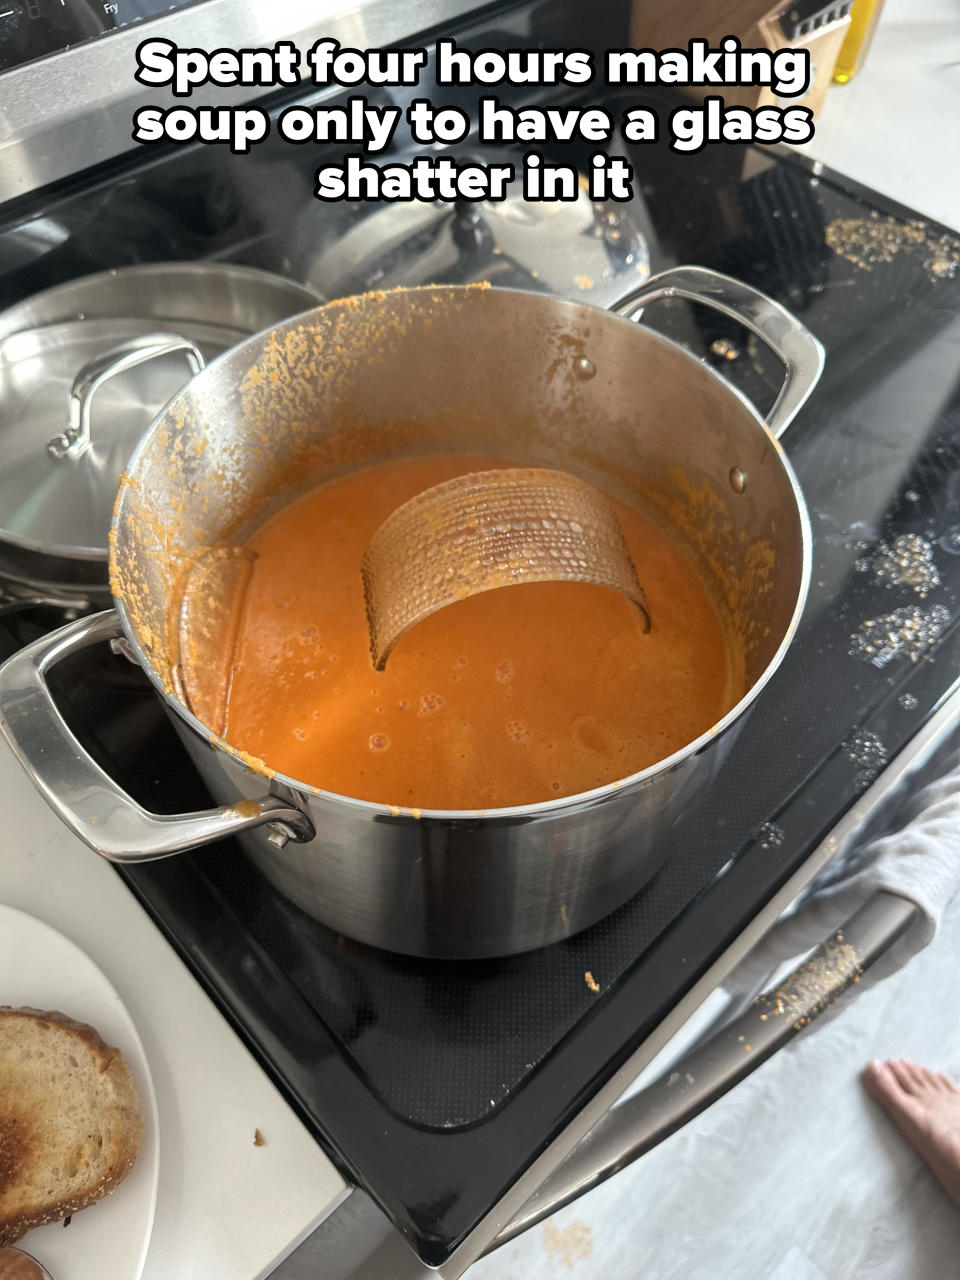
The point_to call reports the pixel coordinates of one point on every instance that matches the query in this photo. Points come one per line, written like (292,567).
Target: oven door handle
(642,1121)
(81,793)
(801,353)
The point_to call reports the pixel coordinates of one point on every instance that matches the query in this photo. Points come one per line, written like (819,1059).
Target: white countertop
(226,1209)
(894,127)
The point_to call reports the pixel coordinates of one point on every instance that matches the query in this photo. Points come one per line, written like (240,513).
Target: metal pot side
(476,371)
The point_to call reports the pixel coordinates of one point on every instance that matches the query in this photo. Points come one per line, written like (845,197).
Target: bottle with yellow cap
(863,23)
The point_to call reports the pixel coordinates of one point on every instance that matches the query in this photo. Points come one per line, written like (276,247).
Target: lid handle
(75,441)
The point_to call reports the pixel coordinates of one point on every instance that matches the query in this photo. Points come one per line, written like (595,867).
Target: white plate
(41,968)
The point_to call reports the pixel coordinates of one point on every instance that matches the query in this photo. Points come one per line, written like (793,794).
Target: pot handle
(81,793)
(149,346)
(796,346)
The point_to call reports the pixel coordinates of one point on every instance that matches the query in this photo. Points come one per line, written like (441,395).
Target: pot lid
(591,251)
(75,397)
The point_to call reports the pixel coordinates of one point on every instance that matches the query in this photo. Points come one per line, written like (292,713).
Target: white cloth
(920,861)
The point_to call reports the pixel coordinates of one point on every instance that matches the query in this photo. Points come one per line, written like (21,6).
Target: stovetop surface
(435,1084)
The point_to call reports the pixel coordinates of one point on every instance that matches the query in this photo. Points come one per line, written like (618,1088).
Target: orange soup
(511,697)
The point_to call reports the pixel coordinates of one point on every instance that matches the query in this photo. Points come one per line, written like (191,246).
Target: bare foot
(925,1107)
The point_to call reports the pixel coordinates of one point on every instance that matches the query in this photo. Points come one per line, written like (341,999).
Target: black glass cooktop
(435,1084)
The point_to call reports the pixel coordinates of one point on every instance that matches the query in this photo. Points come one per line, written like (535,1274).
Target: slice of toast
(70,1120)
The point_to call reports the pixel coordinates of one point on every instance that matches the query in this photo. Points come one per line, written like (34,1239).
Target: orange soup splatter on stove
(510,697)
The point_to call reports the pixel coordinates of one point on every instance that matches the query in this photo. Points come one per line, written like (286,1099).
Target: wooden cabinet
(670,24)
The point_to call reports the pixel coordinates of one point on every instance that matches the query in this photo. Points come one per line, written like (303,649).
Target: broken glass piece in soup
(484,531)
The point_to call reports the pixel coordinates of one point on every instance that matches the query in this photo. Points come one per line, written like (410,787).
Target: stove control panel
(31,29)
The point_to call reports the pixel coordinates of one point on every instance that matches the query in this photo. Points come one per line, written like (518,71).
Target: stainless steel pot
(520,375)
(65,433)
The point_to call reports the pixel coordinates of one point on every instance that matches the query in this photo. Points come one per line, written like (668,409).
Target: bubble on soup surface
(517,731)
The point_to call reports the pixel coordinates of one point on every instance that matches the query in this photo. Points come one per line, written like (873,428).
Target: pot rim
(543,808)
(146,271)
(54,550)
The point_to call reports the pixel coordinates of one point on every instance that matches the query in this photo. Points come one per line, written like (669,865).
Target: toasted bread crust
(18,1131)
